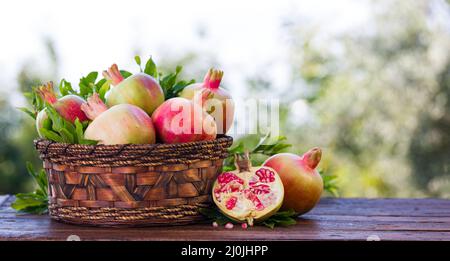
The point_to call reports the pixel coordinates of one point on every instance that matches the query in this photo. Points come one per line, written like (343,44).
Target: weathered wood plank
(3,199)
(332,219)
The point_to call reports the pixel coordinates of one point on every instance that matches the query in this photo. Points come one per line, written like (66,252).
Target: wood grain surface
(332,219)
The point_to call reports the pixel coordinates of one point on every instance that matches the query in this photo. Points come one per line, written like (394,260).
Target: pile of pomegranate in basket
(141,108)
(148,107)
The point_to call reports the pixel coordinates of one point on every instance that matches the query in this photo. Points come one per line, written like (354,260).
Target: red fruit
(69,106)
(214,99)
(180,120)
(248,194)
(120,124)
(140,90)
(303,184)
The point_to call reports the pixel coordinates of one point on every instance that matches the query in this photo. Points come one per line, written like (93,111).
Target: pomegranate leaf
(34,202)
(281,218)
(215,215)
(150,67)
(79,130)
(125,74)
(269,148)
(65,88)
(266,147)
(88,85)
(137,59)
(170,85)
(28,112)
(58,129)
(35,100)
(104,88)
(330,183)
(51,135)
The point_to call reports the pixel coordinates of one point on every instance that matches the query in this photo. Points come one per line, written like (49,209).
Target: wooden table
(332,219)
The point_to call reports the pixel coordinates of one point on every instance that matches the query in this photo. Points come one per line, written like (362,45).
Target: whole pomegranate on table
(303,184)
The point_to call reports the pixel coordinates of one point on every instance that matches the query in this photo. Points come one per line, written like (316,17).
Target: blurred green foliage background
(377,101)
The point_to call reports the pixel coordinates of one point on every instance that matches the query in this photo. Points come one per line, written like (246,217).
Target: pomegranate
(40,118)
(303,184)
(249,194)
(214,99)
(120,124)
(180,120)
(69,106)
(139,89)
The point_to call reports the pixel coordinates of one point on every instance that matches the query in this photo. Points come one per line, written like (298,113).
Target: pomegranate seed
(231,203)
(214,224)
(227,177)
(244,225)
(229,225)
(265,175)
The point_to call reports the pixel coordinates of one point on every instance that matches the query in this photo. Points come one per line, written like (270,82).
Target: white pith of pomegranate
(250,195)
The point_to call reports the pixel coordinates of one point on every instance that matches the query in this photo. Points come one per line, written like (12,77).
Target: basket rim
(133,154)
(220,138)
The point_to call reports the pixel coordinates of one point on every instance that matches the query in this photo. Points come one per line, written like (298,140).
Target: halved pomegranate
(248,194)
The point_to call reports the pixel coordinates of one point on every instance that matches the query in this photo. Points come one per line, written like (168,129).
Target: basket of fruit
(122,151)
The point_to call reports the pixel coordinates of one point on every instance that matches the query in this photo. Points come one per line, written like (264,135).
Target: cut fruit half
(248,194)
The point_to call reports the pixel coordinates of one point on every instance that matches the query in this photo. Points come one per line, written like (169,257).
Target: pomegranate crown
(312,157)
(113,74)
(213,78)
(94,106)
(47,92)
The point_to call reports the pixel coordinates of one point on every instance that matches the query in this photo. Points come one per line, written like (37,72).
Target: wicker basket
(131,185)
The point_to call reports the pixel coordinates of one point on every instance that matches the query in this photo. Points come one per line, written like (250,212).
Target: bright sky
(90,35)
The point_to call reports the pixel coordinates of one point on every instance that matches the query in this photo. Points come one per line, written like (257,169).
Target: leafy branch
(170,83)
(281,218)
(330,183)
(57,129)
(34,202)
(268,146)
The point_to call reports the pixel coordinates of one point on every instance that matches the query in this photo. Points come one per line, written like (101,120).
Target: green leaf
(90,78)
(87,85)
(281,218)
(150,68)
(125,74)
(79,129)
(137,58)
(67,136)
(35,202)
(30,203)
(237,149)
(65,88)
(179,86)
(99,85)
(28,112)
(47,124)
(330,183)
(215,215)
(51,135)
(103,90)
